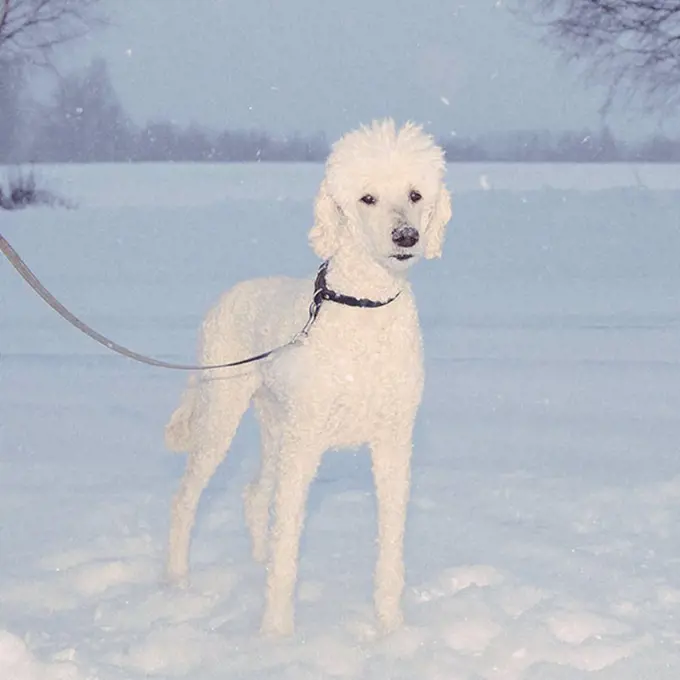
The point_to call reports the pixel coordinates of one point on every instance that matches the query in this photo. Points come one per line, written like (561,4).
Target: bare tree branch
(632,45)
(31,29)
(4,11)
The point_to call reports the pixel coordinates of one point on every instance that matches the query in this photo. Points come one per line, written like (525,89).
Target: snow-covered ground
(543,540)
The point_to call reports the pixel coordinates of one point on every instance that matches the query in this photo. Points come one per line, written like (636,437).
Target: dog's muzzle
(404,237)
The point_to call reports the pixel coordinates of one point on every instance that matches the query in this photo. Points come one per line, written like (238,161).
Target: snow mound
(18,663)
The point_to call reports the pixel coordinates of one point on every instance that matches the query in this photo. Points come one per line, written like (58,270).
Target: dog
(354,377)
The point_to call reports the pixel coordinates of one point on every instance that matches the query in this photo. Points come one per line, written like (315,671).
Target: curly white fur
(356,379)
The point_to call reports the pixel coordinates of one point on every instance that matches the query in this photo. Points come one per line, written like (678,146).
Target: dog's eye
(368,199)
(415,196)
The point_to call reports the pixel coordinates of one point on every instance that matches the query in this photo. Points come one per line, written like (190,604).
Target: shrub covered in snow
(23,190)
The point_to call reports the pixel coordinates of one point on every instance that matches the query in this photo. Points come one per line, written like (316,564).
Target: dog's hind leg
(218,409)
(258,494)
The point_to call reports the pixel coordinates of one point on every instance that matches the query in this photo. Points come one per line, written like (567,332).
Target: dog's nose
(406,237)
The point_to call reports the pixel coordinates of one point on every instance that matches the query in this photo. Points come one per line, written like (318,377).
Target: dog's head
(384,191)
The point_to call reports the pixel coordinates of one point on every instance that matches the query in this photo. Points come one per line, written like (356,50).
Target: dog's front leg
(298,462)
(391,457)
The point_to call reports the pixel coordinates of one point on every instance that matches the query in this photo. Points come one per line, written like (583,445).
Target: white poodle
(354,378)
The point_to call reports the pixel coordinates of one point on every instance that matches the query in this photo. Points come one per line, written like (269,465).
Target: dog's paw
(275,624)
(177,578)
(390,620)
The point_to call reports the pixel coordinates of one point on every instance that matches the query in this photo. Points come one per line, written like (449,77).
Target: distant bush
(23,191)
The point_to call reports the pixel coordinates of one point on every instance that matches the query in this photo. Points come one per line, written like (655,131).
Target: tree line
(634,45)
(85,122)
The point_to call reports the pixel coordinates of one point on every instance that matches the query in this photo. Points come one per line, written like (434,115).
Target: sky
(460,68)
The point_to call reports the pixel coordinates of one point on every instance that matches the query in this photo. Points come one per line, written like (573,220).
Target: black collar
(323,292)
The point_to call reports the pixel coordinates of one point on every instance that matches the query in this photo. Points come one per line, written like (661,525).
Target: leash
(321,293)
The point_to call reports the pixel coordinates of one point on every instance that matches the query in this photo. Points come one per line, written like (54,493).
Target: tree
(30,30)
(11,86)
(86,121)
(157,142)
(634,44)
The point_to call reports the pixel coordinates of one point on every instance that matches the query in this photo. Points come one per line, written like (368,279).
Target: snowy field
(543,539)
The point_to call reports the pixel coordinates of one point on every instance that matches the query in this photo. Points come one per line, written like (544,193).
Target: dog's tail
(178,431)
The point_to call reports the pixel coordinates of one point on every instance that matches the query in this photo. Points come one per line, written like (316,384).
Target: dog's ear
(323,236)
(436,228)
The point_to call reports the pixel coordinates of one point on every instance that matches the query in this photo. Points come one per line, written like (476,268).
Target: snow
(543,540)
